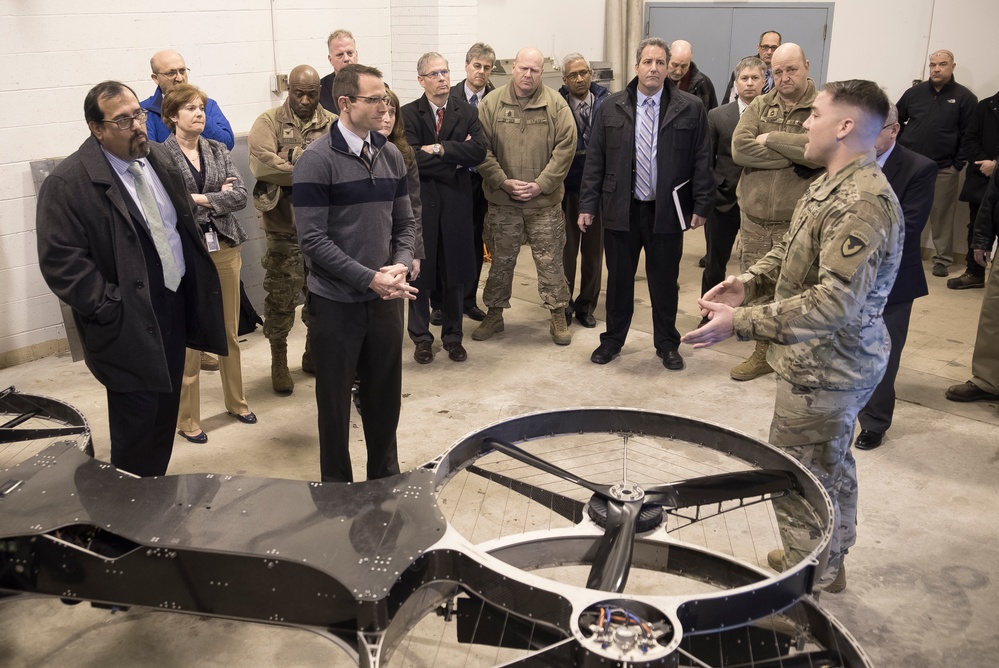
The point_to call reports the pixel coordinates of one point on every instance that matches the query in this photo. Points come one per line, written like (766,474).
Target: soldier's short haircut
(651,41)
(105,90)
(426,58)
(571,57)
(348,80)
(770,32)
(865,95)
(751,61)
(480,51)
(340,34)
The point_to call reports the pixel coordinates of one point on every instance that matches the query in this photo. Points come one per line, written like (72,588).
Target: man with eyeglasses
(356,228)
(277,139)
(448,140)
(479,62)
(531,142)
(769,41)
(584,98)
(169,69)
(118,243)
(342,52)
(769,143)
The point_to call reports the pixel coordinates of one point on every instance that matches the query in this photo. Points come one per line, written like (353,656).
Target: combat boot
(281,379)
(559,329)
(307,366)
(492,323)
(755,366)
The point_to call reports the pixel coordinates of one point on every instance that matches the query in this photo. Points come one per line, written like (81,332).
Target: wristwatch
(437,149)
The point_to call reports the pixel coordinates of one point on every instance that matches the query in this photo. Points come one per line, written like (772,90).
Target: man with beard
(117,242)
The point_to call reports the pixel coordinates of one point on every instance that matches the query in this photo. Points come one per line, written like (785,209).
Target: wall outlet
(279,83)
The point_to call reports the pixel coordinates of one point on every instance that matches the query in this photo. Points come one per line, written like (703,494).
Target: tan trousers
(228,262)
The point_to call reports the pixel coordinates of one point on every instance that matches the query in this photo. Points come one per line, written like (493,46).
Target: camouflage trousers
(757,238)
(544,230)
(284,282)
(815,427)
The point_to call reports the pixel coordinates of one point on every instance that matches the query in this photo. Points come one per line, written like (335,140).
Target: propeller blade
(571,509)
(613,561)
(521,455)
(719,488)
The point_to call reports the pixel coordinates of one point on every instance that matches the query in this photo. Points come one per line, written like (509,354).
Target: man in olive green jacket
(531,141)
(769,142)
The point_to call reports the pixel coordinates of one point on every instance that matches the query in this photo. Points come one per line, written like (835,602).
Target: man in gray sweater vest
(357,232)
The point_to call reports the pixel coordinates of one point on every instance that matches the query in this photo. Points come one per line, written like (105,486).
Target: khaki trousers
(228,262)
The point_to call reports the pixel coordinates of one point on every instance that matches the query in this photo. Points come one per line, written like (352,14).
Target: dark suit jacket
(912,177)
(326,93)
(91,257)
(721,124)
(458,90)
(445,184)
(684,155)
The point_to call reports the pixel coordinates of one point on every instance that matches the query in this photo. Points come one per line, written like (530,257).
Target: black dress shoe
(671,360)
(436,317)
(456,352)
(249,418)
(586,320)
(703,262)
(868,440)
(475,313)
(424,353)
(603,354)
(197,438)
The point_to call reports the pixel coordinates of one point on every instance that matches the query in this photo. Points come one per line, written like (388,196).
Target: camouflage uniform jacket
(535,142)
(829,277)
(776,175)
(276,142)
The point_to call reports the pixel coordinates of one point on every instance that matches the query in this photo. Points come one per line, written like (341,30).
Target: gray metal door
(724,33)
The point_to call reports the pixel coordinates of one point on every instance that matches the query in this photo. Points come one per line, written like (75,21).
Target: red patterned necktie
(440,119)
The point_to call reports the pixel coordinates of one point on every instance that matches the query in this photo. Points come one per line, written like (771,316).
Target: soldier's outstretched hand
(718,328)
(731,291)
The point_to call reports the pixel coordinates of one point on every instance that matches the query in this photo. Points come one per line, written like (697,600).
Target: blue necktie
(644,187)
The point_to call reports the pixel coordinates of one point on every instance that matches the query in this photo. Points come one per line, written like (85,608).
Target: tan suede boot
(492,323)
(281,379)
(755,366)
(559,329)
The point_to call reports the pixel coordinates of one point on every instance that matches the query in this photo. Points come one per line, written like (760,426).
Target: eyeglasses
(172,74)
(582,74)
(768,47)
(125,122)
(436,74)
(371,99)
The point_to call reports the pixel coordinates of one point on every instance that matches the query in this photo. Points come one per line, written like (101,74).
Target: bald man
(769,143)
(683,72)
(530,143)
(169,69)
(277,139)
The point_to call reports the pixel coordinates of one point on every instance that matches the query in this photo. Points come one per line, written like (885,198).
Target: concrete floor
(920,590)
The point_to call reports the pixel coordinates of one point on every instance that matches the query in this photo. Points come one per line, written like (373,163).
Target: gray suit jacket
(721,124)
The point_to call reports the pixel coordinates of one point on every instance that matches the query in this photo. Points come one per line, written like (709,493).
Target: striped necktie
(171,274)
(769,83)
(584,122)
(644,187)
(440,119)
(366,156)
(475,100)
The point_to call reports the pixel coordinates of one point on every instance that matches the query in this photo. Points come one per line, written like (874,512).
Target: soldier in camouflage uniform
(769,142)
(829,280)
(530,143)
(276,142)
